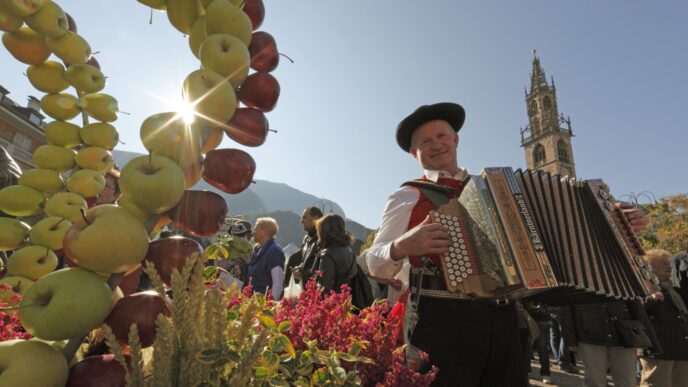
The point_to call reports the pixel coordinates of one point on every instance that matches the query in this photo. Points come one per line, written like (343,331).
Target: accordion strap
(437,194)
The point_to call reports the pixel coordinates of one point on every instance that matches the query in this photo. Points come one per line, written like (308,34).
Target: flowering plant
(10,325)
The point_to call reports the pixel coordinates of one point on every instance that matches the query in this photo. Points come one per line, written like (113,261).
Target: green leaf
(266,321)
(211,251)
(286,344)
(319,376)
(339,375)
(348,357)
(224,252)
(285,371)
(355,349)
(261,372)
(271,359)
(284,326)
(232,315)
(366,360)
(208,356)
(352,379)
(209,272)
(301,383)
(269,313)
(231,356)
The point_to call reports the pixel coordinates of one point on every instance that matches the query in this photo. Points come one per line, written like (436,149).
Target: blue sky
(361,66)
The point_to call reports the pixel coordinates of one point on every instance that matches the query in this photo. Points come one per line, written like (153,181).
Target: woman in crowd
(337,263)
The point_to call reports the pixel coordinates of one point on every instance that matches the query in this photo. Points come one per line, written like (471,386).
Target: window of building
(562,151)
(533,106)
(547,102)
(35,119)
(539,154)
(22,141)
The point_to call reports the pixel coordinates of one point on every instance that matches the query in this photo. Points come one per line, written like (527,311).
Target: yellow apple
(18,283)
(13,233)
(85,78)
(212,95)
(47,77)
(154,183)
(100,134)
(65,303)
(47,181)
(8,21)
(226,55)
(86,182)
(60,106)
(17,200)
(127,204)
(54,157)
(183,13)
(21,8)
(62,133)
(223,17)
(155,4)
(193,173)
(18,360)
(211,137)
(66,205)
(102,107)
(32,262)
(26,45)
(110,239)
(95,158)
(70,47)
(49,232)
(166,134)
(50,20)
(197,35)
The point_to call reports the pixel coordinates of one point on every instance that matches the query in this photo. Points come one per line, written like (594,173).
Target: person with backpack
(335,262)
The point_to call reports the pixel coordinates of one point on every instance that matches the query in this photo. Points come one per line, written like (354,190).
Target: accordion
(530,233)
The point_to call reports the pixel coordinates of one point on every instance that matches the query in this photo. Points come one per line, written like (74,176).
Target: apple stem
(121,112)
(95,53)
(272,130)
(83,215)
(121,142)
(58,223)
(150,21)
(253,182)
(286,56)
(241,6)
(84,116)
(150,162)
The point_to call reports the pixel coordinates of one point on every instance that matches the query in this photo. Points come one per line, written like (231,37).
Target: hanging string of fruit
(107,241)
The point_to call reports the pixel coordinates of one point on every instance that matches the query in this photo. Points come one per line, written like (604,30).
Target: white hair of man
(270,225)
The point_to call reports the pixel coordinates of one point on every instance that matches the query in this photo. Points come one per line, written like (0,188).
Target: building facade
(547,137)
(21,129)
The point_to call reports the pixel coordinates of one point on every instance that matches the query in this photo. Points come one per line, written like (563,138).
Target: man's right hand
(427,238)
(296,272)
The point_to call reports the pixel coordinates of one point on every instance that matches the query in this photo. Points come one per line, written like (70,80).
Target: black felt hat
(451,112)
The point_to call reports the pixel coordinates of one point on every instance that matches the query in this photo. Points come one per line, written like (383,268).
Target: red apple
(168,254)
(93,62)
(260,91)
(142,309)
(230,170)
(248,127)
(263,51)
(130,282)
(200,213)
(71,24)
(97,371)
(255,11)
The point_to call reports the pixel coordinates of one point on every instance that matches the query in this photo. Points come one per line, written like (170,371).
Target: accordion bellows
(526,233)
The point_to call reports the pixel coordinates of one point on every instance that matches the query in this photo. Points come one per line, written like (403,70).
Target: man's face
(308,221)
(434,144)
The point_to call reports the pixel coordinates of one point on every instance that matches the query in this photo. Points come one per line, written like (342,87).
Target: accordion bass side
(526,233)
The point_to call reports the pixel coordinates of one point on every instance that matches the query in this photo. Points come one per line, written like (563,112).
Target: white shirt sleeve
(277,274)
(394,224)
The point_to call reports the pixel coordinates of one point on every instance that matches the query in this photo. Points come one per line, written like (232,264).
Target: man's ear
(414,152)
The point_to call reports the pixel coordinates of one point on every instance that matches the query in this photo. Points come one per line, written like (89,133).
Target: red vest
(421,210)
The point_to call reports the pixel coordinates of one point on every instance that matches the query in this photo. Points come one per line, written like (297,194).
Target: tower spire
(538,79)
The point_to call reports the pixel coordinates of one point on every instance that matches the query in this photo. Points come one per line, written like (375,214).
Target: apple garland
(112,240)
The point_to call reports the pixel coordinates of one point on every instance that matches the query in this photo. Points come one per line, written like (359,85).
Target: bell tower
(547,137)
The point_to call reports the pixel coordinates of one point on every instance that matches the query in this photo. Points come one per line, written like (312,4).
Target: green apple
(102,107)
(49,232)
(212,95)
(9,22)
(60,106)
(154,183)
(70,47)
(86,182)
(197,35)
(63,133)
(54,157)
(85,78)
(21,8)
(226,55)
(133,209)
(32,262)
(109,240)
(47,181)
(206,3)
(223,17)
(66,205)
(13,233)
(166,134)
(47,77)
(18,284)
(182,14)
(17,200)
(50,20)
(65,303)
(100,134)
(18,360)
(95,158)
(155,4)
(26,46)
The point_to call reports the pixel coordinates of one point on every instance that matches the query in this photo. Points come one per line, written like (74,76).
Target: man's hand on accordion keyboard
(427,238)
(637,217)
